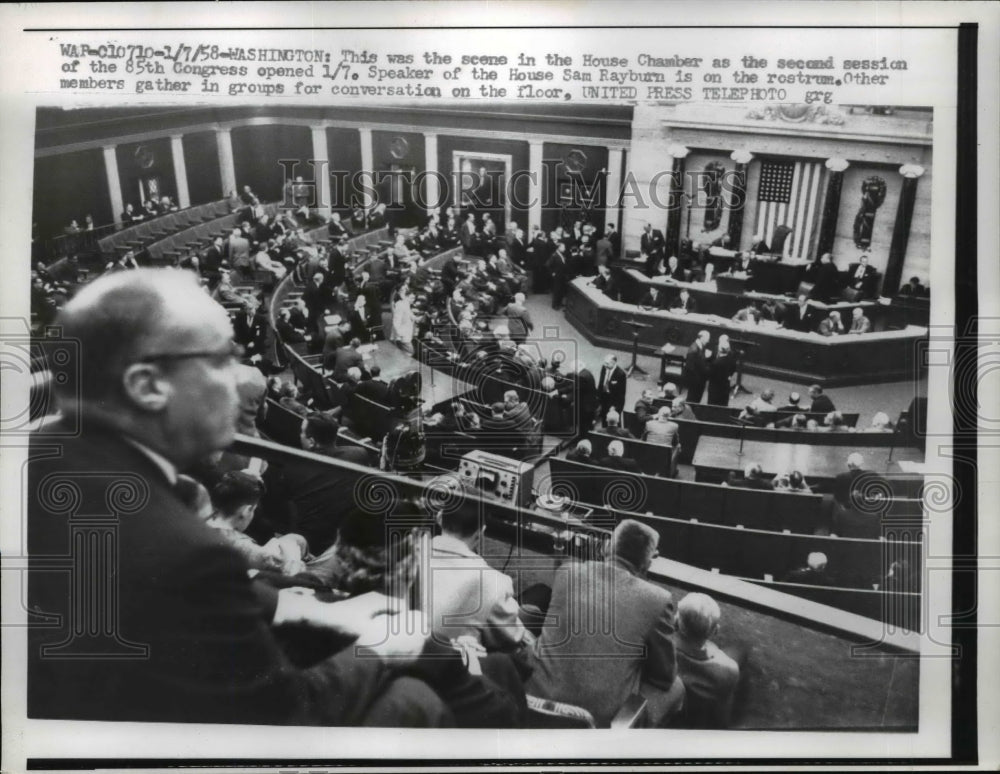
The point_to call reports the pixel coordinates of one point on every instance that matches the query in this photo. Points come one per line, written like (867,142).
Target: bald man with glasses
(184,633)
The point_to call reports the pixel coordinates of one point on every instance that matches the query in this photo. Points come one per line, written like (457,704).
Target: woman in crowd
(402,319)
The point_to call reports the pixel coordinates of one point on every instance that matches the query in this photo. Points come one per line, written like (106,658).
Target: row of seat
(198,237)
(708,503)
(759,554)
(148,231)
(718,504)
(692,429)
(708,412)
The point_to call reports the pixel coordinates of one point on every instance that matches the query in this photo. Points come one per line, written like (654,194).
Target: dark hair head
(372,556)
(463,522)
(234,490)
(321,428)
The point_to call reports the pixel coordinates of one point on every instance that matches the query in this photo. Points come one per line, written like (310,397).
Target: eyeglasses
(231,353)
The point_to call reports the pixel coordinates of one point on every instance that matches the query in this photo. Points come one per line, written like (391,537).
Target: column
(180,170)
(739,197)
(321,171)
(673,237)
(114,183)
(227,167)
(613,183)
(901,231)
(831,205)
(367,166)
(432,188)
(535,183)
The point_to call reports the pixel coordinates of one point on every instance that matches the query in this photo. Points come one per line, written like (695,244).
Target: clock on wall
(399,148)
(144,157)
(575,161)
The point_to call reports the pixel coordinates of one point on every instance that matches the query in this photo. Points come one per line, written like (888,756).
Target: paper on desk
(910,466)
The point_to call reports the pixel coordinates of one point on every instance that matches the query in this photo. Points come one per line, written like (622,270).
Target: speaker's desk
(791,356)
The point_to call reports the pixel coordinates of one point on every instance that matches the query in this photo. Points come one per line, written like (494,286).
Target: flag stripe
(798,185)
(811,211)
(788,195)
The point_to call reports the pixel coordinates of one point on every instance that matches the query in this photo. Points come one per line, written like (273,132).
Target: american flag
(789,196)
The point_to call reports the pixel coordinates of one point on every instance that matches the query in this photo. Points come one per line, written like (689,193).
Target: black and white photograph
(616,406)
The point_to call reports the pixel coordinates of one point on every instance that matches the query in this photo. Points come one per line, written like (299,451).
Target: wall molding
(327,123)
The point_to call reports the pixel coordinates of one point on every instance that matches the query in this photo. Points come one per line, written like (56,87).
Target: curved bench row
(162,226)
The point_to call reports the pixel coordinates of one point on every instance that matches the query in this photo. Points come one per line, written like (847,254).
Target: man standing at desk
(559,269)
(759,245)
(799,317)
(696,367)
(824,276)
(611,387)
(651,244)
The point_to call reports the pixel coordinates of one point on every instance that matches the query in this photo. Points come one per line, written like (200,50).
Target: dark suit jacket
(518,252)
(586,393)
(695,363)
(336,264)
(192,640)
(346,357)
(827,280)
(866,284)
(450,274)
(843,486)
(627,464)
(211,259)
(795,320)
(612,392)
(338,229)
(576,668)
(316,299)
(690,305)
(652,243)
(333,341)
(660,302)
(288,333)
(559,266)
(251,334)
(822,404)
(376,390)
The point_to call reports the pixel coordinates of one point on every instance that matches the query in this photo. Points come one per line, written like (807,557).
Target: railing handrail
(775,603)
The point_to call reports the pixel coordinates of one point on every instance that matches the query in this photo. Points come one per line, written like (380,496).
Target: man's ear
(145,387)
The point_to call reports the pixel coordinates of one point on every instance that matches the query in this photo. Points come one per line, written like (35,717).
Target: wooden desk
(716,457)
(791,356)
(713,299)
